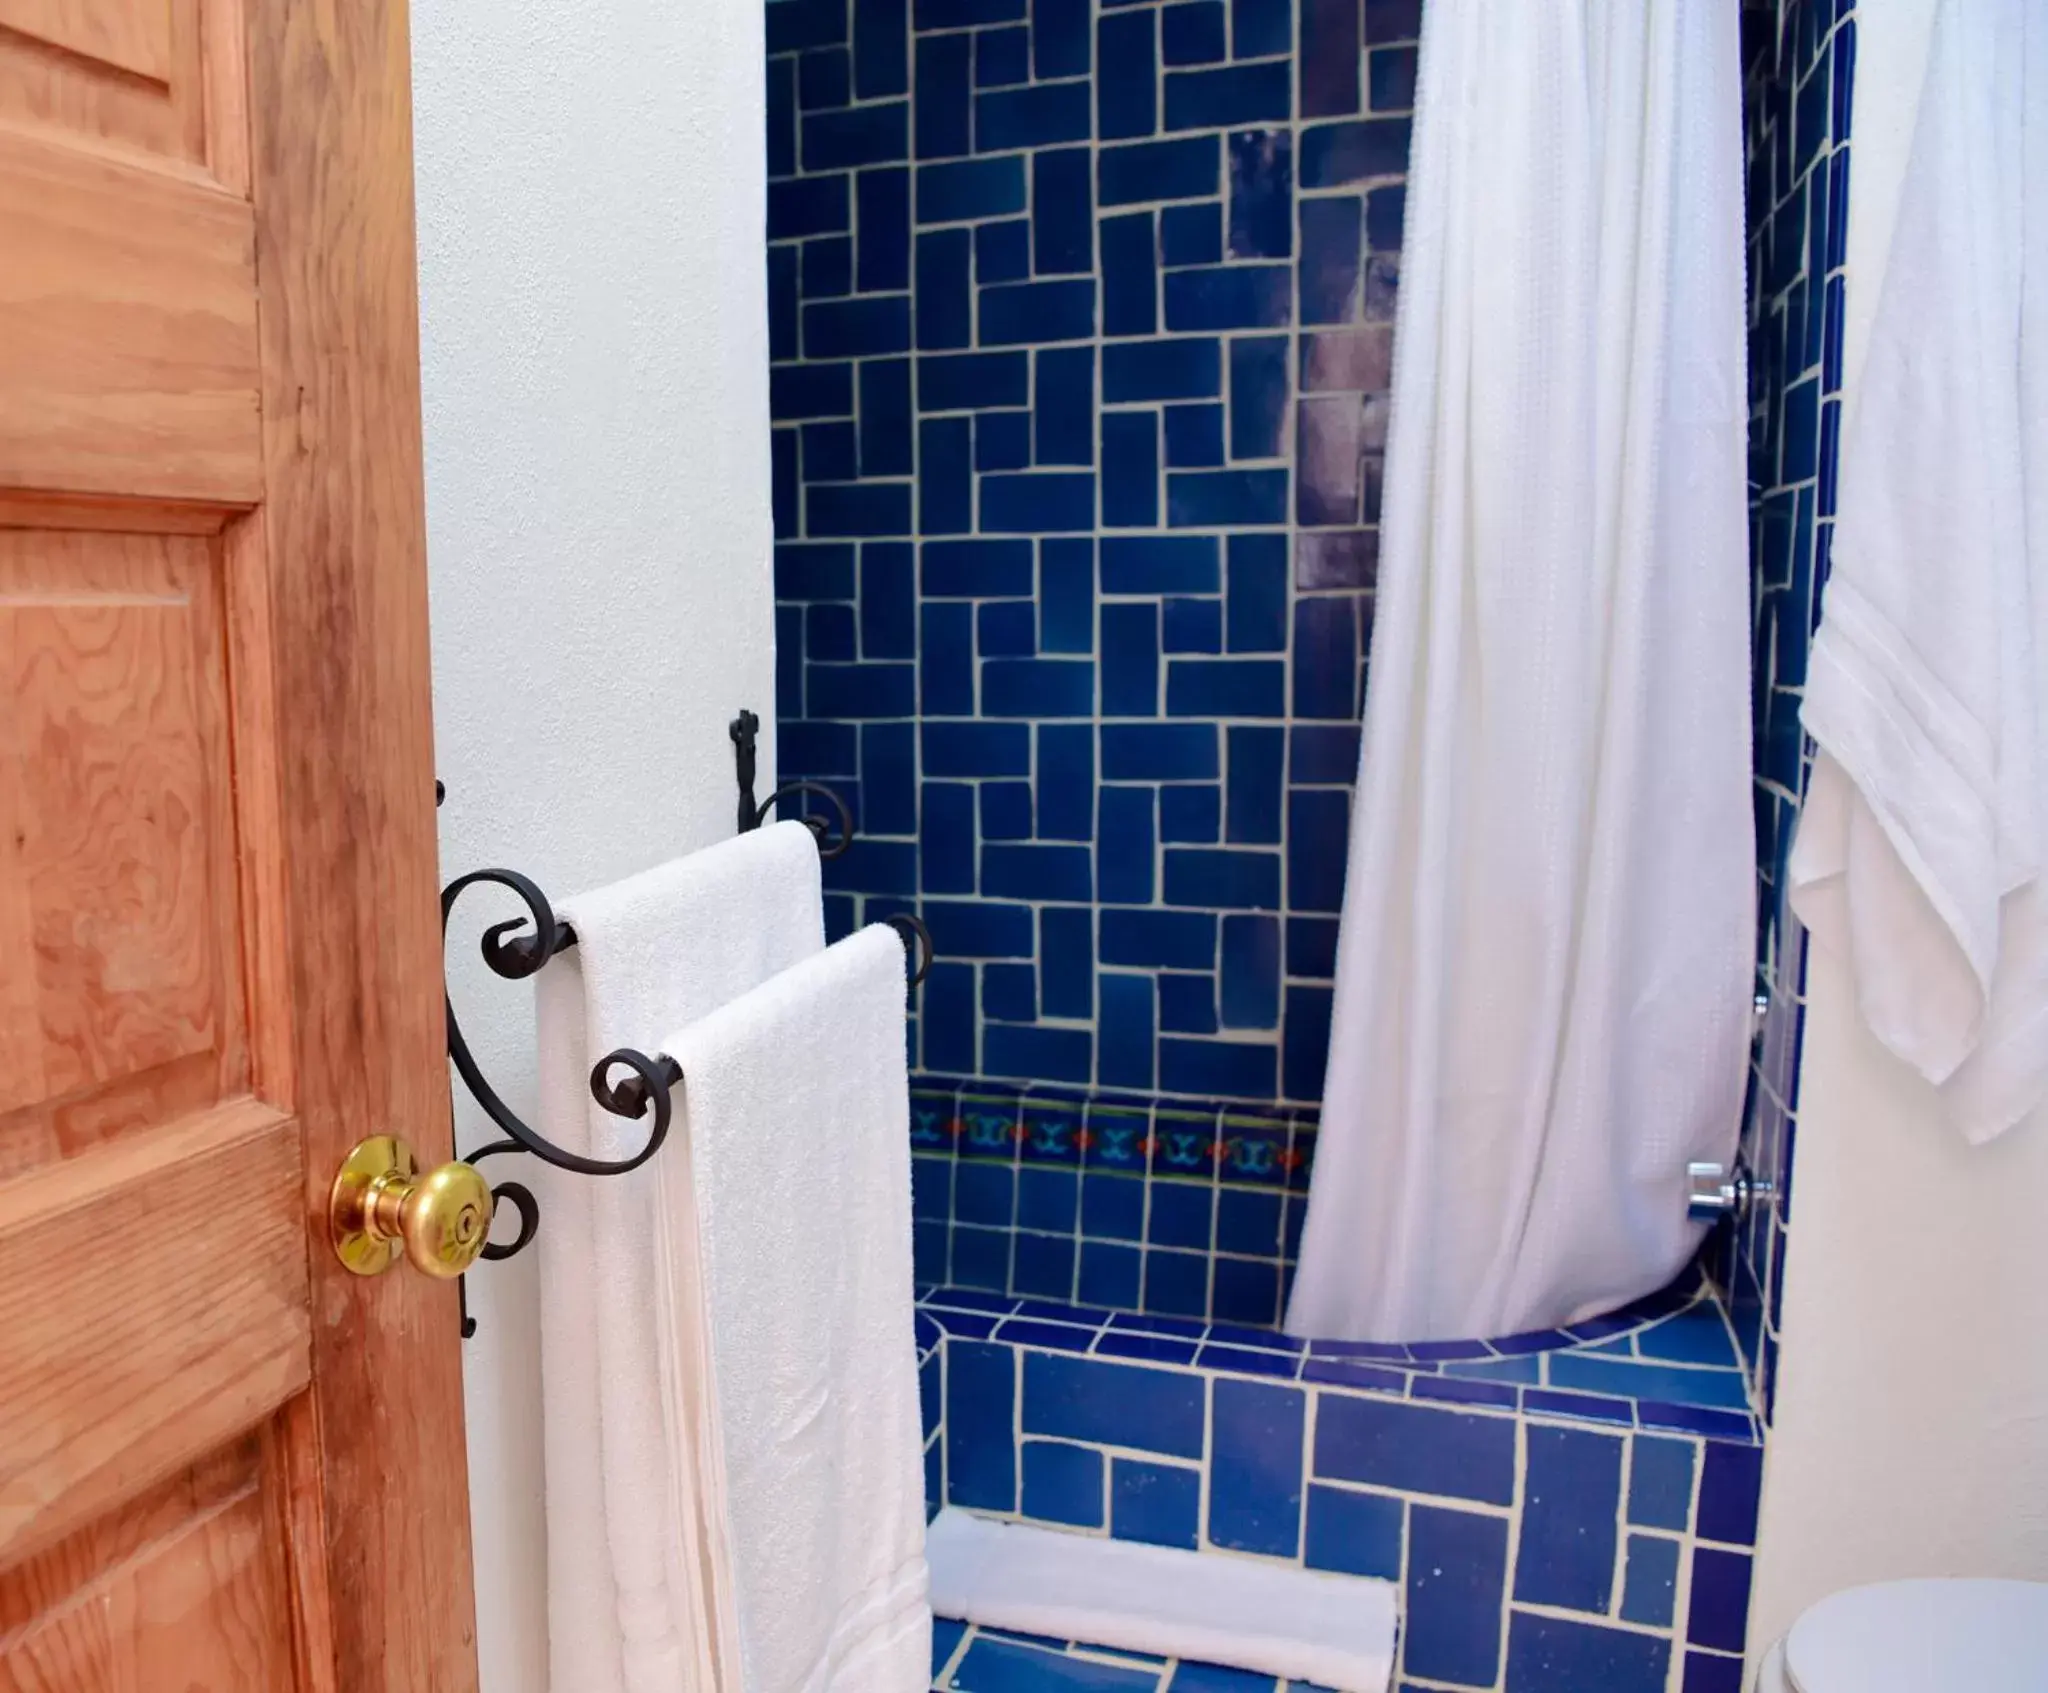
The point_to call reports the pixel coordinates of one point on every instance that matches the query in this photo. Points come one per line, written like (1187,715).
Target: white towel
(634,1600)
(1246,1613)
(790,1221)
(1920,854)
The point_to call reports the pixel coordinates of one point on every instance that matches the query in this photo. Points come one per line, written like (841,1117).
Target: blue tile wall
(1801,68)
(1081,318)
(1545,1541)
(1178,1207)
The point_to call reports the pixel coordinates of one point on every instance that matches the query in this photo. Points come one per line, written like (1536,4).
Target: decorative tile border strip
(1545,1541)
(1228,1141)
(1182,1208)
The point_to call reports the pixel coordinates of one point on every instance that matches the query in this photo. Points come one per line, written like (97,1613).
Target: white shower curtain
(1543,977)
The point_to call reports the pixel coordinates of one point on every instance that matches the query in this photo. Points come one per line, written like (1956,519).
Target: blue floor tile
(998,1666)
(946,1637)
(1214,1678)
(1697,1335)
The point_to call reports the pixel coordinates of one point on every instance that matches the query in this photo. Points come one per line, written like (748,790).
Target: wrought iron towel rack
(514,951)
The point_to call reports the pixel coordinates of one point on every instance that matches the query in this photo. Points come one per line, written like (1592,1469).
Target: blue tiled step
(1667,1362)
(1536,1532)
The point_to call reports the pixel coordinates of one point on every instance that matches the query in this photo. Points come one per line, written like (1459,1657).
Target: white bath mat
(1337,1630)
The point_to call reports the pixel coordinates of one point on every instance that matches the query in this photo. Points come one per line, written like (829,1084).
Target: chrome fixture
(1714,1191)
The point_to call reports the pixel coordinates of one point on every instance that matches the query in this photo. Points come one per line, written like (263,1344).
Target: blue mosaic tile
(1193,33)
(980,1389)
(1112,1275)
(1156,1503)
(1392,20)
(1246,1361)
(981,1257)
(1059,38)
(1457,1567)
(1177,1283)
(1190,1677)
(1709,1672)
(992,1665)
(1731,1481)
(1566,1553)
(1248,1223)
(1415,1448)
(946,1638)
(1255,1480)
(1464,1392)
(1186,169)
(1063,1483)
(1555,1655)
(1354,1533)
(1649,1592)
(1247,1291)
(1720,1599)
(1002,57)
(1148,1410)
(1646,1380)
(1151,1348)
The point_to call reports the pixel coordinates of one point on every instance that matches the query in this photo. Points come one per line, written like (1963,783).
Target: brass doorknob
(379,1209)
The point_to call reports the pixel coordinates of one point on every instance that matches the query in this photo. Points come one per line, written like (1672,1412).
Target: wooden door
(225,1463)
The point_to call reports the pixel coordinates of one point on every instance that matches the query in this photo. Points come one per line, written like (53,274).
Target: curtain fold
(1543,980)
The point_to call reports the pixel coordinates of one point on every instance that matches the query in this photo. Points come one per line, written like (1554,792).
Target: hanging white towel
(787,1242)
(1921,850)
(1542,995)
(635,1593)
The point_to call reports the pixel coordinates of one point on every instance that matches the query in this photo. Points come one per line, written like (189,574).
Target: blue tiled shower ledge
(1547,1539)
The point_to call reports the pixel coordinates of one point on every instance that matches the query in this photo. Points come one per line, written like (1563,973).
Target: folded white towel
(1247,1613)
(1922,849)
(636,1594)
(790,1220)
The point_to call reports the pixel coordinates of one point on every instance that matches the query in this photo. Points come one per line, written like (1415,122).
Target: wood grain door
(225,1463)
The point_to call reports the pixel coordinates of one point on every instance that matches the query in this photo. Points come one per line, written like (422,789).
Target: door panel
(224,1461)
(130,365)
(150,1345)
(184,1574)
(117,833)
(141,76)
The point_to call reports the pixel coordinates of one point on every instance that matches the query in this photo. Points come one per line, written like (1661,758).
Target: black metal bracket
(745,730)
(518,947)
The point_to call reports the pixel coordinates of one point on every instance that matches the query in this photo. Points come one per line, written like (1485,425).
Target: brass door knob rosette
(380,1209)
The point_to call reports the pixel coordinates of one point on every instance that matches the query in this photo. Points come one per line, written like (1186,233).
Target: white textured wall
(1912,1418)
(595,367)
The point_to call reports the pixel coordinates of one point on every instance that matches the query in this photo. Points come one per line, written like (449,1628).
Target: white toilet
(1917,1637)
